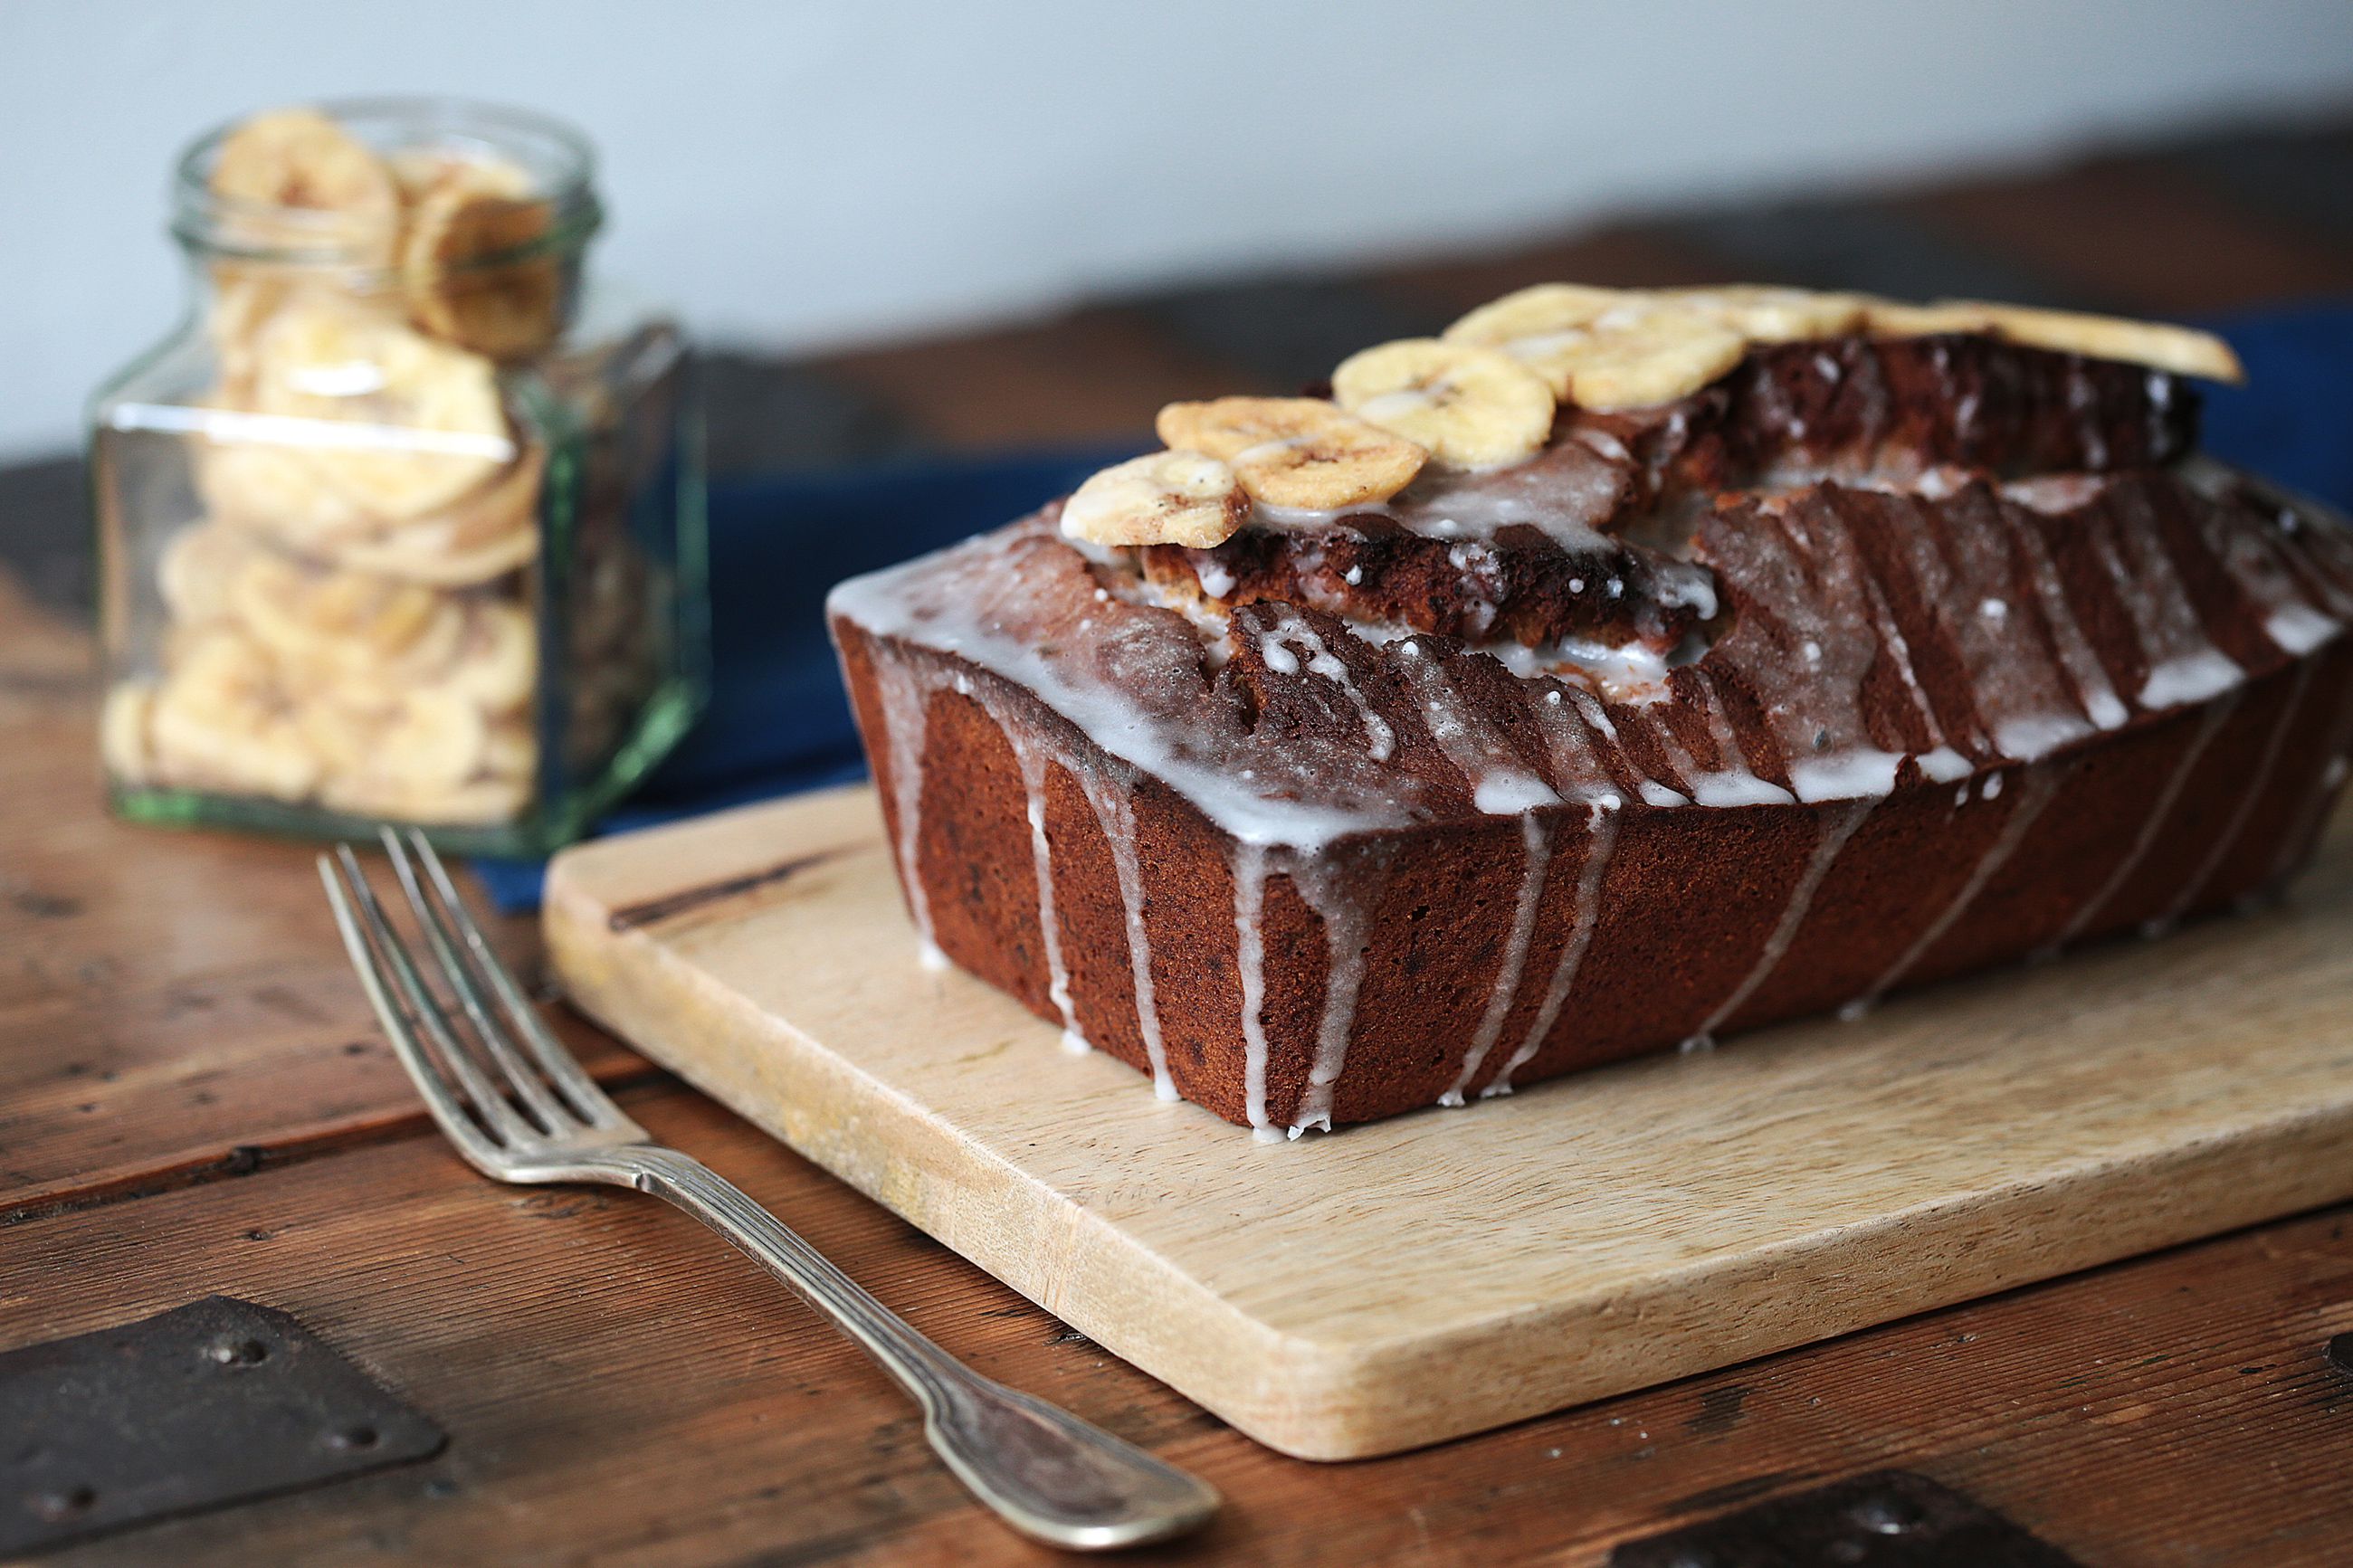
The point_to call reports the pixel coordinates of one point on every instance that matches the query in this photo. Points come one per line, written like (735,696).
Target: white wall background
(800,172)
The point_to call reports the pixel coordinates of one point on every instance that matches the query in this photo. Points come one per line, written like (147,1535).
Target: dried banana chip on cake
(1608,349)
(2156,345)
(474,263)
(1536,312)
(1301,453)
(1162,498)
(1472,406)
(394,420)
(1765,314)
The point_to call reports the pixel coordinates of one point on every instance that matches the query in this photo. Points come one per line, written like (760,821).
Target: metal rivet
(1885,1515)
(64,1503)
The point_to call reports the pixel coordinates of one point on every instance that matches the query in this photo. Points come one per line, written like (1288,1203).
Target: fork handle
(1046,1472)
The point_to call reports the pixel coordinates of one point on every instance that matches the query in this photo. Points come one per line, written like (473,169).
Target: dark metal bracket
(209,1403)
(1890,1519)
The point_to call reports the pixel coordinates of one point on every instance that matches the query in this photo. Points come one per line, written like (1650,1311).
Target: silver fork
(520,1109)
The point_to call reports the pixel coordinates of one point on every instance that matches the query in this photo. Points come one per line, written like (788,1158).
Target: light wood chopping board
(1449,1271)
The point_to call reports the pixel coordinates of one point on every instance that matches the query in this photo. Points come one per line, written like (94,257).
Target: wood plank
(619,1388)
(173,1004)
(2137,234)
(1579,1239)
(1628,256)
(1092,376)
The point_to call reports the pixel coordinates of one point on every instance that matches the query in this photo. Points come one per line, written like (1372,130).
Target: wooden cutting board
(1450,1270)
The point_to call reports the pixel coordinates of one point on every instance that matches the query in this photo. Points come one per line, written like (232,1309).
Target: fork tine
(501,1118)
(447,1109)
(549,1110)
(562,1067)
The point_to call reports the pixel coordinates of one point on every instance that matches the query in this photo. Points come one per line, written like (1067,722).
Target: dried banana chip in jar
(474,264)
(199,566)
(275,493)
(482,537)
(393,420)
(300,181)
(219,721)
(345,631)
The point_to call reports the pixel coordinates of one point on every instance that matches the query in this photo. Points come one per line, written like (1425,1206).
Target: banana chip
(396,422)
(496,664)
(198,569)
(469,265)
(2159,346)
(1535,312)
(1761,314)
(122,744)
(1162,498)
(219,721)
(298,161)
(1472,408)
(278,494)
(344,631)
(1296,452)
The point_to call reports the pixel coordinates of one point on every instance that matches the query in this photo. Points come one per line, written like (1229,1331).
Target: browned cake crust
(1871,663)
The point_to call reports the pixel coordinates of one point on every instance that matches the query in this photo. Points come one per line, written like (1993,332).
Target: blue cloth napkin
(779,720)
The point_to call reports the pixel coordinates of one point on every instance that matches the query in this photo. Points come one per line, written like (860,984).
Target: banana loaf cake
(1619,670)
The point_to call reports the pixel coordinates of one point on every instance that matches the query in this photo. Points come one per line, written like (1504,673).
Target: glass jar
(401,524)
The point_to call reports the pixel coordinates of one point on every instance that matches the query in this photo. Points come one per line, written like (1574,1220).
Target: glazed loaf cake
(1554,692)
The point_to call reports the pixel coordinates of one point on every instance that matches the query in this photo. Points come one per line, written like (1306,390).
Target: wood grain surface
(1437,1273)
(191,1097)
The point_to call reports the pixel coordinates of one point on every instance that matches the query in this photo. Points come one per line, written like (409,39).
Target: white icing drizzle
(2041,785)
(2160,809)
(2092,689)
(1250,957)
(1601,839)
(1500,786)
(2183,667)
(1558,493)
(1114,805)
(1535,849)
(1342,898)
(1733,783)
(1130,688)
(2029,709)
(1899,654)
(1032,763)
(1836,827)
(906,694)
(1290,634)
(2249,794)
(2293,619)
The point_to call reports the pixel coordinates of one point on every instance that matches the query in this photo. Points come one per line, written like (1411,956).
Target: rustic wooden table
(193,1097)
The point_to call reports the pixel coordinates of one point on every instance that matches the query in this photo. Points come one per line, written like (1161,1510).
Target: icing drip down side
(1825,645)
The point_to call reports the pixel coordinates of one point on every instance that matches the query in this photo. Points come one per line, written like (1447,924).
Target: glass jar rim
(560,160)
